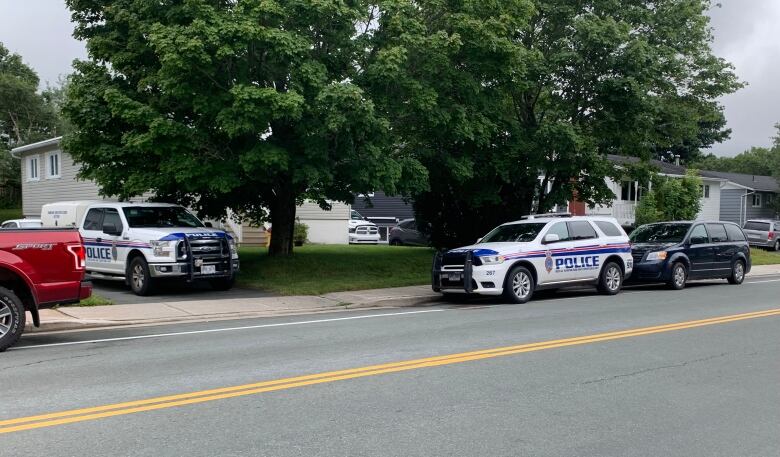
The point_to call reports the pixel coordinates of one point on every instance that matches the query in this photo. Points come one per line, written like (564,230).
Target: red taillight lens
(81,256)
(771,235)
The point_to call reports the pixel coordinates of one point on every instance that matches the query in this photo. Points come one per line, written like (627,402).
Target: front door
(98,249)
(112,222)
(558,256)
(701,252)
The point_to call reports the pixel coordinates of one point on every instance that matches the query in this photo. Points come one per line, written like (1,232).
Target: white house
(49,175)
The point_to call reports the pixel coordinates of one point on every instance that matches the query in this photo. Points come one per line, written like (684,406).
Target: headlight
(492,259)
(352,230)
(660,255)
(233,247)
(161,248)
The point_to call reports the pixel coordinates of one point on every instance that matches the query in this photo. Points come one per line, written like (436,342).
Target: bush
(647,211)
(672,199)
(300,232)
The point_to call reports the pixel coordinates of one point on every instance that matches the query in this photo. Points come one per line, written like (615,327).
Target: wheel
(519,285)
(776,247)
(12,318)
(140,280)
(223,284)
(611,280)
(396,242)
(737,272)
(679,276)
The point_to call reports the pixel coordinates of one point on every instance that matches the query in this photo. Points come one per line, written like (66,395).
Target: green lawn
(762,257)
(10,213)
(319,269)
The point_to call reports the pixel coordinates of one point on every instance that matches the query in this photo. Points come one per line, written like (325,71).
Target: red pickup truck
(39,268)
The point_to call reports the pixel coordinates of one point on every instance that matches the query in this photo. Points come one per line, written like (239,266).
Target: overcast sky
(747,33)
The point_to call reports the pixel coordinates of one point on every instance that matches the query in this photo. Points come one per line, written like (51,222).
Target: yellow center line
(170,401)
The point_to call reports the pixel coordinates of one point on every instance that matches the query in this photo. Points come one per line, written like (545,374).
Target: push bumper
(183,269)
(463,280)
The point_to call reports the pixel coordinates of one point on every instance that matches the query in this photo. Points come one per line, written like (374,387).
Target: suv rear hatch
(758,231)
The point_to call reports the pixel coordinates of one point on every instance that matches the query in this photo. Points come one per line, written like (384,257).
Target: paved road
(701,388)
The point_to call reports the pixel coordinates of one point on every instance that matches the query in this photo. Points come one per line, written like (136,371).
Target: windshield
(160,216)
(660,233)
(514,233)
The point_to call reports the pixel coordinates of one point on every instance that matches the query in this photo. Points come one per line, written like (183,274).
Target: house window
(630,191)
(53,165)
(756,200)
(32,168)
(705,191)
(769,199)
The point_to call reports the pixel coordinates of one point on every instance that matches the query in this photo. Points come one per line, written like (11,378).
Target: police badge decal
(548,262)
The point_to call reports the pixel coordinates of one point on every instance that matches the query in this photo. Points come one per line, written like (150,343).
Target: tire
(139,278)
(679,276)
(396,242)
(519,285)
(776,247)
(12,318)
(737,273)
(223,284)
(611,279)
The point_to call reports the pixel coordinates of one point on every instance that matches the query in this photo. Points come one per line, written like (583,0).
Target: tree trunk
(282,224)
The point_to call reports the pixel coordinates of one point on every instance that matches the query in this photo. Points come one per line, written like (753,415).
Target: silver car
(763,233)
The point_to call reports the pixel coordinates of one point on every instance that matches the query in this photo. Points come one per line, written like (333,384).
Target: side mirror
(479,240)
(110,229)
(209,224)
(551,238)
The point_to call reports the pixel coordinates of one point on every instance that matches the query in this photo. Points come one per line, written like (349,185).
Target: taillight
(81,256)
(771,235)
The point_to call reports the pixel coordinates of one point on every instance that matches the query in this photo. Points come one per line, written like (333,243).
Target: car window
(717,233)
(756,225)
(94,219)
(408,225)
(111,217)
(356,216)
(9,225)
(661,233)
(735,234)
(581,230)
(609,228)
(514,233)
(699,235)
(560,229)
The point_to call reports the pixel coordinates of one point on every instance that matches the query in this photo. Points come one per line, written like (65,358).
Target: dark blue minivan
(673,252)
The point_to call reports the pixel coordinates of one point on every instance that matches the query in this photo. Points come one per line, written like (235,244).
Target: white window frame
(49,171)
(756,197)
(36,168)
(705,191)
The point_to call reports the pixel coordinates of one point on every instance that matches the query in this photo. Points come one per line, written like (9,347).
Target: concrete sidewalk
(73,318)
(167,311)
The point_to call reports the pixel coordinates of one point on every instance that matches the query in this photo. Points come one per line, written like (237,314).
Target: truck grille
(209,247)
(366,230)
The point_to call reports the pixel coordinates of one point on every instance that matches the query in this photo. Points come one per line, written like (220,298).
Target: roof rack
(531,217)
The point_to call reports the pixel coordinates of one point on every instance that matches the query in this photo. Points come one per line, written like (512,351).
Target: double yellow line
(170,401)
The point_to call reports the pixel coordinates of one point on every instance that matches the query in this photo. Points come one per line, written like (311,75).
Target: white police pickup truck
(144,243)
(539,252)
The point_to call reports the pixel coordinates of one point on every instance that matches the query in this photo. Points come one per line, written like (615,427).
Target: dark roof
(383,206)
(753,182)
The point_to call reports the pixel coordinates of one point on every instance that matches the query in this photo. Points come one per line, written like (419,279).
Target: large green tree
(249,105)
(512,105)
(26,116)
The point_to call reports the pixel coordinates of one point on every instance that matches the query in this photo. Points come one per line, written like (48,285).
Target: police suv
(538,252)
(144,243)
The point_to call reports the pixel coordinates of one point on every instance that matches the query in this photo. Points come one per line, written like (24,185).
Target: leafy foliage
(647,210)
(671,199)
(512,105)
(216,104)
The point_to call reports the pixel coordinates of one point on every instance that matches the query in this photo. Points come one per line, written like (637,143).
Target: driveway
(120,294)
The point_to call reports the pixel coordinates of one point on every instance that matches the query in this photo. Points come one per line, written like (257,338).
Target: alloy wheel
(739,271)
(5,319)
(679,276)
(521,284)
(613,278)
(138,277)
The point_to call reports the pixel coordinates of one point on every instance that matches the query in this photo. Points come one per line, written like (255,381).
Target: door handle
(99,240)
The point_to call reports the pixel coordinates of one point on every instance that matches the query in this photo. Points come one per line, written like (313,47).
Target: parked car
(21,224)
(541,252)
(763,233)
(406,233)
(673,252)
(38,269)
(144,243)
(361,230)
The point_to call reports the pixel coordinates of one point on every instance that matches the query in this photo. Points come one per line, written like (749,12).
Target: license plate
(208,269)
(453,277)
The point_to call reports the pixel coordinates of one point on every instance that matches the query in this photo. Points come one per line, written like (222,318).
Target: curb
(76,324)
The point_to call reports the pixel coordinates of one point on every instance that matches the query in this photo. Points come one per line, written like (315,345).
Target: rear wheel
(776,246)
(12,318)
(679,276)
(611,280)
(519,285)
(139,278)
(395,242)
(737,272)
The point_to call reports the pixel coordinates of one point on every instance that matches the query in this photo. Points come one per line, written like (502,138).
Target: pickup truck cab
(38,269)
(673,252)
(143,243)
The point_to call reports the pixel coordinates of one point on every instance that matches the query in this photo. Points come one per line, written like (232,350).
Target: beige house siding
(48,190)
(311,210)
